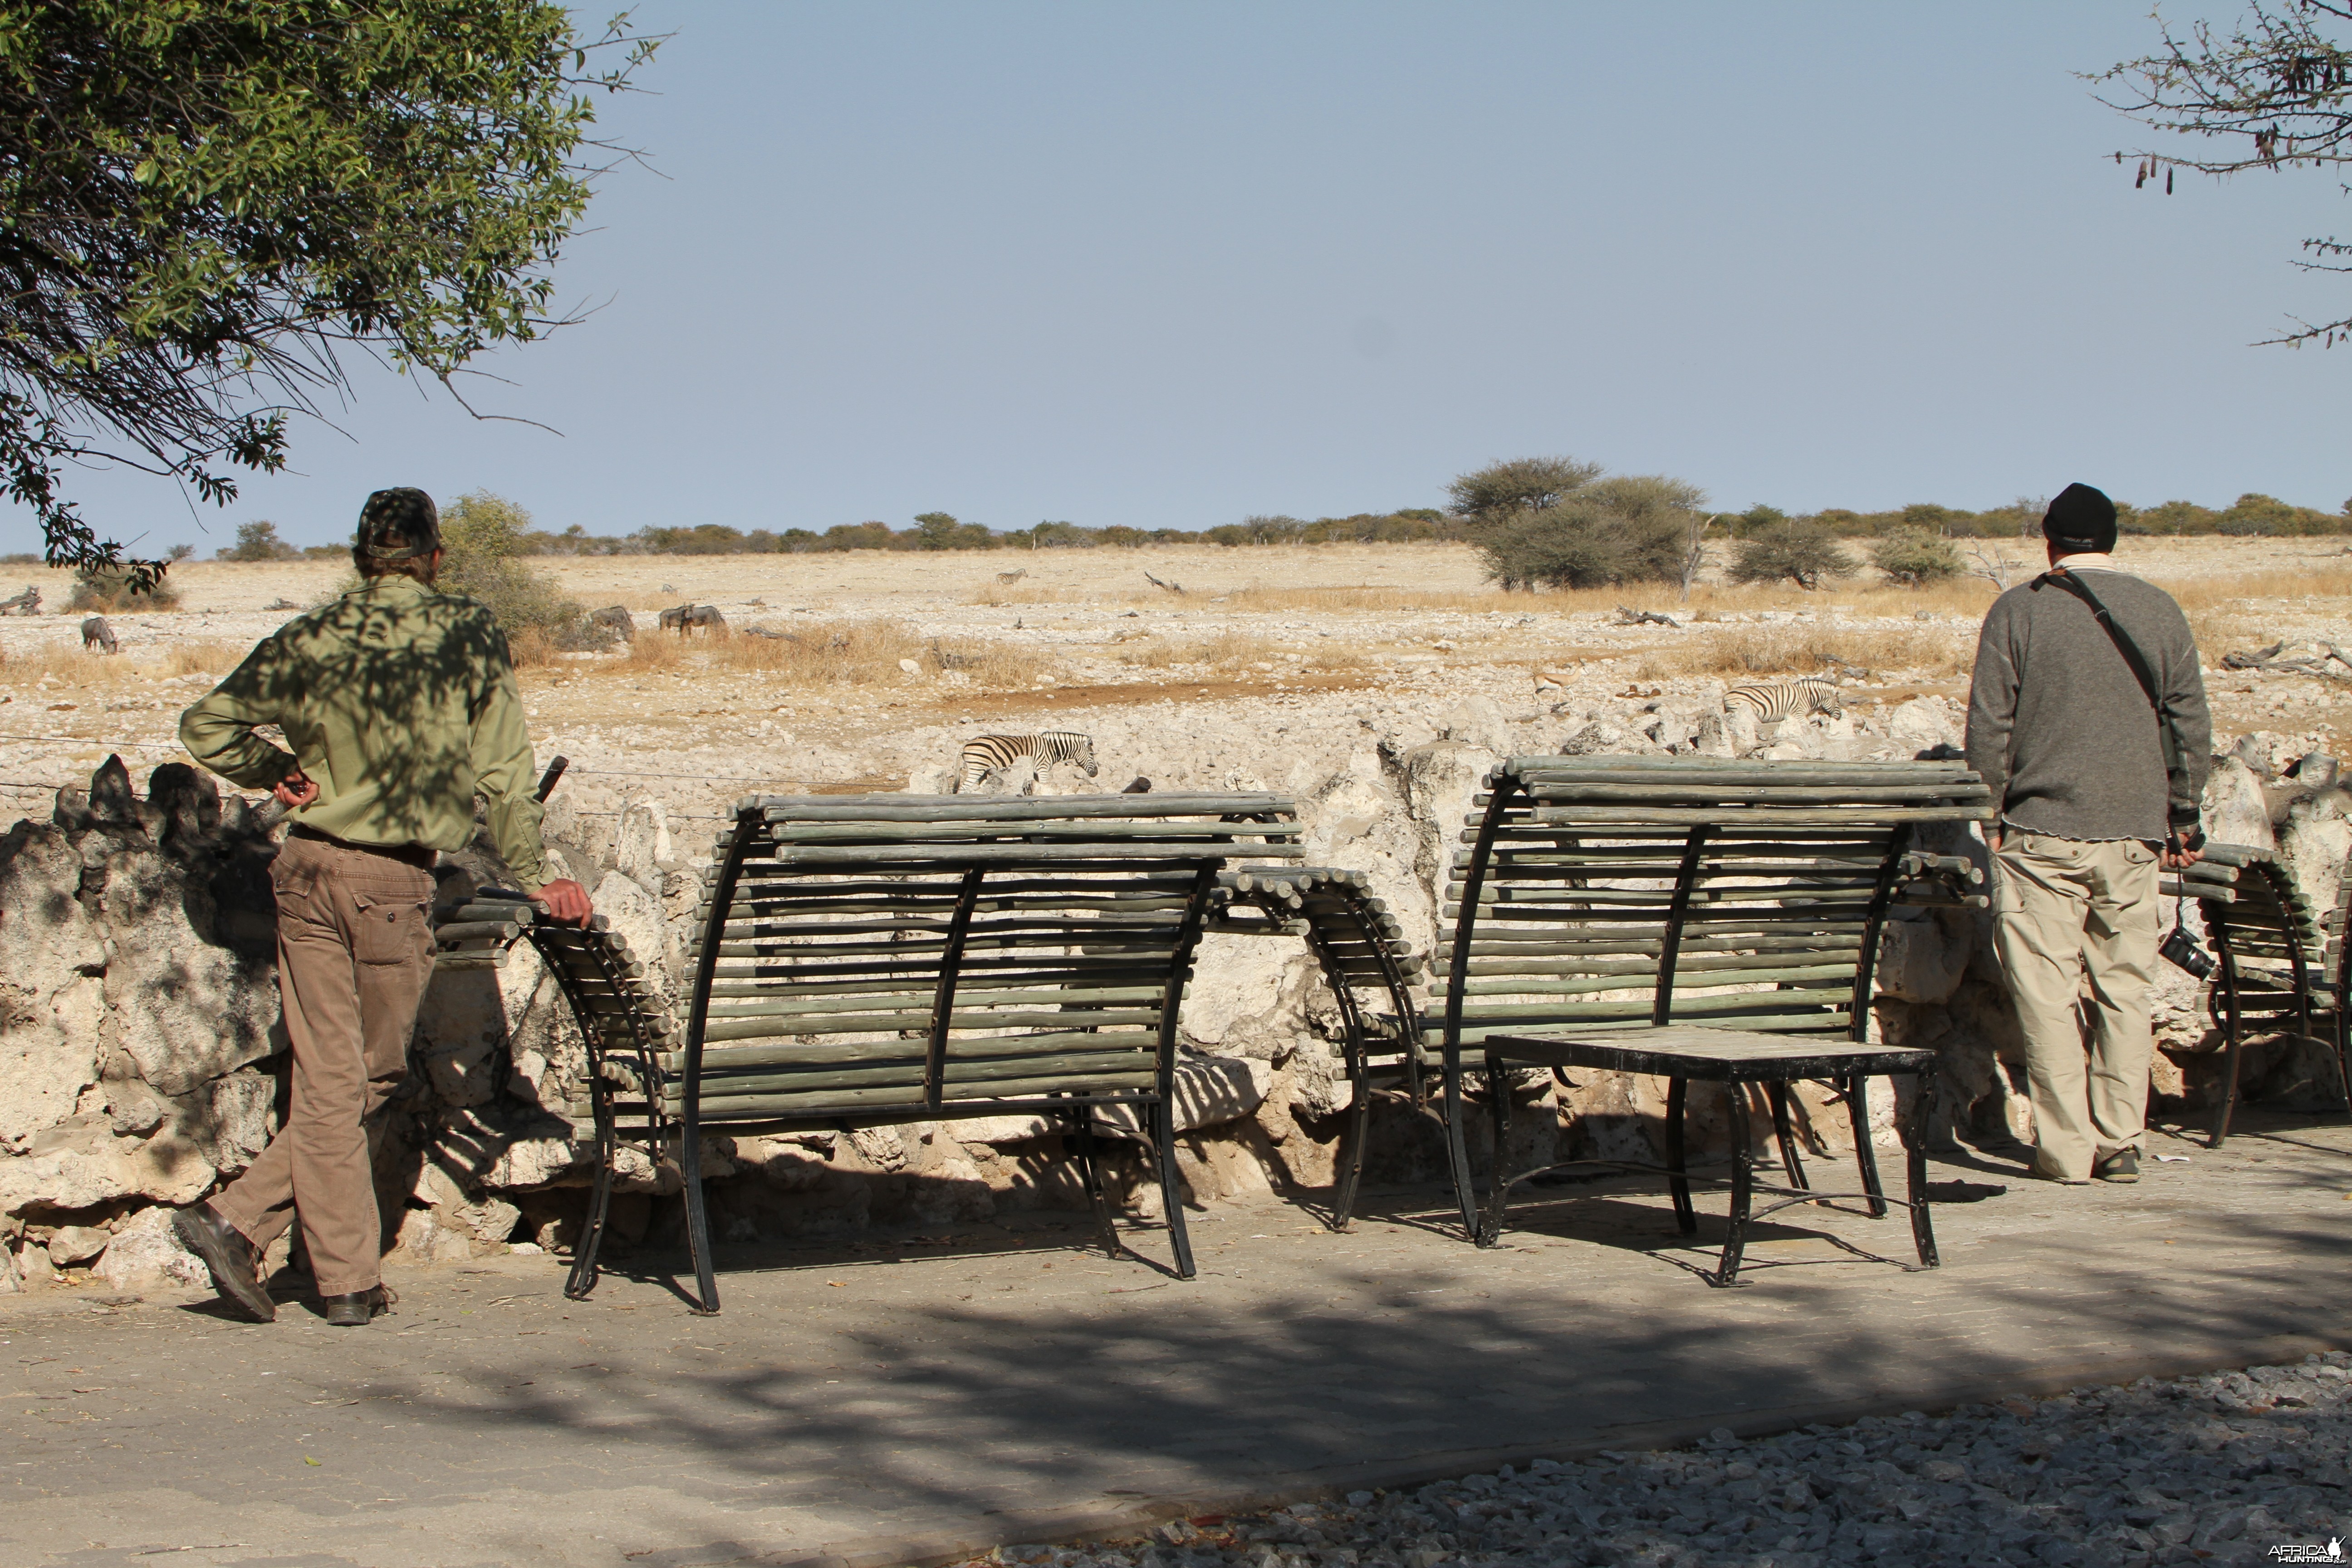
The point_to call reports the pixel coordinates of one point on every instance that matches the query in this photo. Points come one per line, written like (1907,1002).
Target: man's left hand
(566,902)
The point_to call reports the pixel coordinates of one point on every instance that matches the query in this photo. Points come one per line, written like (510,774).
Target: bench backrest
(1604,891)
(867,960)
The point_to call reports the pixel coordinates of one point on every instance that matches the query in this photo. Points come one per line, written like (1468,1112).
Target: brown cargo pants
(354,953)
(2075,927)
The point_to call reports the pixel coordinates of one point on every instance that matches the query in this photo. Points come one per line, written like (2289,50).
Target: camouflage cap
(399,524)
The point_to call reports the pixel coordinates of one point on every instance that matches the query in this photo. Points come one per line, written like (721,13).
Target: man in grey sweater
(2072,741)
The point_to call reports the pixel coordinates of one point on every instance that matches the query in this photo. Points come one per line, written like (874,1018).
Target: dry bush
(1743,652)
(1231,651)
(208,657)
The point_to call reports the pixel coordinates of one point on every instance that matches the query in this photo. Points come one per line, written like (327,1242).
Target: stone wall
(142,1062)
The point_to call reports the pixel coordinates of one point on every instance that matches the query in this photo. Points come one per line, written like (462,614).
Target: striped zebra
(986,755)
(1775,700)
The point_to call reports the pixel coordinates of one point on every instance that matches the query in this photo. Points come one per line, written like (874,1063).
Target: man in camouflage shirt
(400,706)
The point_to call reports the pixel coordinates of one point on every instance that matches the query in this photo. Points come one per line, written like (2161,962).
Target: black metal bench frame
(1848,798)
(1357,946)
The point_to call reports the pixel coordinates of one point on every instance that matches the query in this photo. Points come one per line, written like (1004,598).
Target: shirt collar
(2089,560)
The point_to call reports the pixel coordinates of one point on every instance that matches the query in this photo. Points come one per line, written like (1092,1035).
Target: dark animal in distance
(1008,578)
(674,618)
(617,618)
(707,617)
(986,755)
(1172,587)
(97,633)
(27,603)
(1140,786)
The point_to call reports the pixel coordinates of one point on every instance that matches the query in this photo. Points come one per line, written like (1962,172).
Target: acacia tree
(2275,91)
(204,203)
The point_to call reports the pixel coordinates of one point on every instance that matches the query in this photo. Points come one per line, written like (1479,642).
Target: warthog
(97,633)
(707,617)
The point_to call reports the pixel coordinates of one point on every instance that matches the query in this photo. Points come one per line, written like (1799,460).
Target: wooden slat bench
(624,1022)
(870,960)
(1680,917)
(1371,969)
(2280,962)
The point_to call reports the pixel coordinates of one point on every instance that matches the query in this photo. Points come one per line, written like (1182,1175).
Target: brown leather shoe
(358,1309)
(236,1268)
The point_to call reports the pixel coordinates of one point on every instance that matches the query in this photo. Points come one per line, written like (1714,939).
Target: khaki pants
(2075,927)
(354,951)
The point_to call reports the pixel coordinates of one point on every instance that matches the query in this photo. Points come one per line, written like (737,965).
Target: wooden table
(1680,1053)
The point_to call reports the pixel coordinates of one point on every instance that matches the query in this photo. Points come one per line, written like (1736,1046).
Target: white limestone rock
(184,1010)
(640,842)
(636,914)
(51,1000)
(81,1163)
(1921,723)
(2235,810)
(146,1255)
(2315,843)
(1477,722)
(77,1244)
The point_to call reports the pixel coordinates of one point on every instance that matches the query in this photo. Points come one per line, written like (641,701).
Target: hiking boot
(236,1266)
(2123,1165)
(2044,1172)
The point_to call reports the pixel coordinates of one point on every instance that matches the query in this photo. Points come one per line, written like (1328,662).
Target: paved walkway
(905,1402)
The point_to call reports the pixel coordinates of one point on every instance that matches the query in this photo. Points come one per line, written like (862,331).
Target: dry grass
(69,667)
(824,653)
(1231,650)
(1747,651)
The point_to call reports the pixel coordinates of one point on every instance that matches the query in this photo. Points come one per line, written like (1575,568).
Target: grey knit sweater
(2061,730)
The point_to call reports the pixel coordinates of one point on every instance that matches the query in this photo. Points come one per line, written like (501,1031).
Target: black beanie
(2081,521)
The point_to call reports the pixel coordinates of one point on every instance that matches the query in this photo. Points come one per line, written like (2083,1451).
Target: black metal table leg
(1743,1179)
(1677,1164)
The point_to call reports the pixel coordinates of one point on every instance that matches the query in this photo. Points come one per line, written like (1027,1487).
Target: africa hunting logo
(2331,1553)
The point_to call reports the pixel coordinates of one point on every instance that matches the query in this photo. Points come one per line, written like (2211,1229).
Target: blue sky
(1167,265)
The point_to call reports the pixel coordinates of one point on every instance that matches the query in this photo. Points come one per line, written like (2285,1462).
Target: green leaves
(200,201)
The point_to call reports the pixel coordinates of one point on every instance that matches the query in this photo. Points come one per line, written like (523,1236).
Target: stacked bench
(2280,963)
(1695,920)
(1371,969)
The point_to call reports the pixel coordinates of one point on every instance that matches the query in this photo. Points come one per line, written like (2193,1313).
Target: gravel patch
(2214,1470)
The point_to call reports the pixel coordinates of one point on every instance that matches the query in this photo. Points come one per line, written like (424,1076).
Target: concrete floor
(920,1399)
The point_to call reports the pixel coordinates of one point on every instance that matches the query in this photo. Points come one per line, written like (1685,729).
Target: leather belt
(415,855)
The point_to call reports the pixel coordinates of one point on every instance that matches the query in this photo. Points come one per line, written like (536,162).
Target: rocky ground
(2226,1468)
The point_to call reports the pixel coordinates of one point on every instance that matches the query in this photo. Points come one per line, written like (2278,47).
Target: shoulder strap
(2137,661)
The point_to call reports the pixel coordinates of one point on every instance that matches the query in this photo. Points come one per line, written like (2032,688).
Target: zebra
(986,755)
(1771,700)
